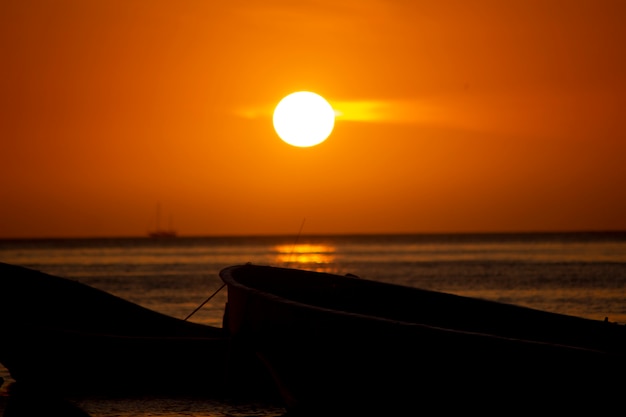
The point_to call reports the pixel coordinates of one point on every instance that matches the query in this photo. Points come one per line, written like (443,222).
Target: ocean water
(581,274)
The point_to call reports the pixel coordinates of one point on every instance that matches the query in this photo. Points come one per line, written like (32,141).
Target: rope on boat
(205,301)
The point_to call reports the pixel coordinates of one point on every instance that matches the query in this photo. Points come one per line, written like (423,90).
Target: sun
(304,119)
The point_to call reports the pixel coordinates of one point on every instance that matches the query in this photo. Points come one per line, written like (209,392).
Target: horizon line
(334,234)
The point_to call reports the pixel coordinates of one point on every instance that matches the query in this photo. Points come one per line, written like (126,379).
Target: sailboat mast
(161,233)
(158,217)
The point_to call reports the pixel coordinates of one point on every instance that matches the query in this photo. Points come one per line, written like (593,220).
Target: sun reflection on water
(305,253)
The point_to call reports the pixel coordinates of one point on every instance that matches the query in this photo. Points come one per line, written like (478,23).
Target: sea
(581,274)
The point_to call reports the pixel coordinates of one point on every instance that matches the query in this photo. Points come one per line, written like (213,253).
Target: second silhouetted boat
(340,345)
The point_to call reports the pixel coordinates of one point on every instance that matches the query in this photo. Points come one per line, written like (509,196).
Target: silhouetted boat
(340,345)
(162,234)
(61,335)
(158,232)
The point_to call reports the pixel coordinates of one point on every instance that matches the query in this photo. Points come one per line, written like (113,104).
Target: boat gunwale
(230,280)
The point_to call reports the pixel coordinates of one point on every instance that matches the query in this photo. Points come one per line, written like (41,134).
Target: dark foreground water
(581,274)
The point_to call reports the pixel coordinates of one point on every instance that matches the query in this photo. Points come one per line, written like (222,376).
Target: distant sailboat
(161,233)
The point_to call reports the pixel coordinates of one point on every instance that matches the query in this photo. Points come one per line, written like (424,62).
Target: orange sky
(456,116)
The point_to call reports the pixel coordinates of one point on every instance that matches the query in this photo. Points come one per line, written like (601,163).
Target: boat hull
(82,363)
(341,346)
(63,336)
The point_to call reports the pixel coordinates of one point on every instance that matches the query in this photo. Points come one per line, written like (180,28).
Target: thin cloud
(388,111)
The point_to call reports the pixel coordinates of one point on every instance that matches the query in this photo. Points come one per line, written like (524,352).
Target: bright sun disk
(304,119)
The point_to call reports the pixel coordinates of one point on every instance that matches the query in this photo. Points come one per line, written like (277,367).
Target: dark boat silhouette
(158,232)
(340,345)
(63,336)
(162,234)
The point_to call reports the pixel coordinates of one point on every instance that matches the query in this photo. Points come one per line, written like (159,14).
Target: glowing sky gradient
(453,116)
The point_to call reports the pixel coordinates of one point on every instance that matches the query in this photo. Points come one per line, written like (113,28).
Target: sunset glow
(448,117)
